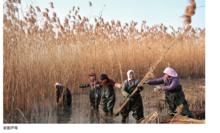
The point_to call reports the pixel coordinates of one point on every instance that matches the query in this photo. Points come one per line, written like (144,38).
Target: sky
(167,12)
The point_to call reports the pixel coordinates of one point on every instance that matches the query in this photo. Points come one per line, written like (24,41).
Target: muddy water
(80,112)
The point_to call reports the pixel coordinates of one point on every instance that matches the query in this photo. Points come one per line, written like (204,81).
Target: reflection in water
(94,116)
(107,119)
(64,114)
(97,117)
(80,112)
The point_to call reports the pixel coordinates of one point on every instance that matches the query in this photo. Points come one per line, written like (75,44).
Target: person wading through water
(108,94)
(135,104)
(95,91)
(174,95)
(63,95)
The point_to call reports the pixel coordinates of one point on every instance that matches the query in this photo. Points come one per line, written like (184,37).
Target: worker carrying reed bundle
(95,91)
(174,95)
(135,105)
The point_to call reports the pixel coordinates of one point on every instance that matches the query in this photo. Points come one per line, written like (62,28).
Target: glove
(158,88)
(125,94)
(146,82)
(140,88)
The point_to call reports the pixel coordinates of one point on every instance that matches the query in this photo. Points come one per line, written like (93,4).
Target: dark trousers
(175,98)
(135,106)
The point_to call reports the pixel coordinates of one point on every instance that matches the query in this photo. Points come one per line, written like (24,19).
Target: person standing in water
(174,95)
(95,91)
(108,94)
(135,104)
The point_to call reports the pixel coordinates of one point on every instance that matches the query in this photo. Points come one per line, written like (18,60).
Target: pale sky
(167,12)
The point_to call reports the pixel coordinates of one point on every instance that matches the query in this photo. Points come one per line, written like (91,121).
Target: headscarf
(170,71)
(128,73)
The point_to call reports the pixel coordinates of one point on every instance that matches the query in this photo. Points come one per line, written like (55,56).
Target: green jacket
(108,98)
(129,86)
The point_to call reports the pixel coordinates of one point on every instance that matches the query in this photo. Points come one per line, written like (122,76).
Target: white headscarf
(57,84)
(128,73)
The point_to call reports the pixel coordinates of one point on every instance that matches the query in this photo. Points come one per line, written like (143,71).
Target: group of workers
(102,91)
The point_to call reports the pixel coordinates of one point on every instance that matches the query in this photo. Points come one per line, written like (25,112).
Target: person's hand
(118,85)
(146,82)
(140,88)
(158,88)
(125,94)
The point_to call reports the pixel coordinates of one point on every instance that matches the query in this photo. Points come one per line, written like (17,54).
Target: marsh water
(81,112)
